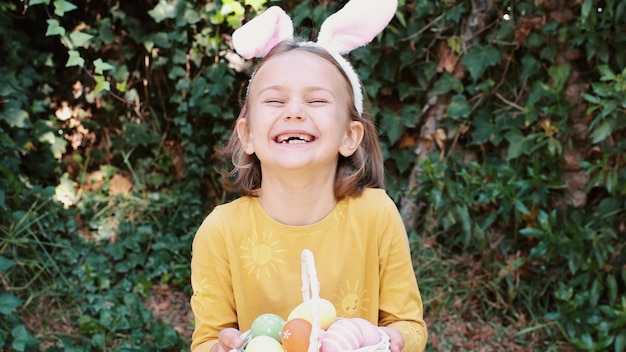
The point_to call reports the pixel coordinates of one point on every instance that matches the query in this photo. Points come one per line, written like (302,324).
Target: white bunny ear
(356,24)
(258,36)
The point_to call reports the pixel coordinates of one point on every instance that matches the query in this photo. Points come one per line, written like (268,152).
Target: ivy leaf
(5,263)
(14,115)
(162,11)
(101,84)
(458,108)
(484,129)
(233,12)
(101,66)
(409,113)
(217,18)
(79,38)
(65,192)
(479,58)
(391,125)
(8,303)
(57,144)
(232,7)
(447,83)
(255,4)
(105,31)
(37,2)
(559,75)
(191,16)
(517,143)
(530,66)
(22,338)
(120,87)
(74,59)
(62,6)
(233,21)
(54,28)
(161,39)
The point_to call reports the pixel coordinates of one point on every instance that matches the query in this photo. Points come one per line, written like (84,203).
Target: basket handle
(311,292)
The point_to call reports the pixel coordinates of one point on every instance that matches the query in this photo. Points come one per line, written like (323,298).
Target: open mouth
(294,138)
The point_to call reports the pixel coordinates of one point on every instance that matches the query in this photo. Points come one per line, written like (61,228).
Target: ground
(448,331)
(172,306)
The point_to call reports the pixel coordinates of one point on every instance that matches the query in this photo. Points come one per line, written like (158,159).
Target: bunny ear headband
(355,25)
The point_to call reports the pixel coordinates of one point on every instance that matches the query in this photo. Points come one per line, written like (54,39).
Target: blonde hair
(364,168)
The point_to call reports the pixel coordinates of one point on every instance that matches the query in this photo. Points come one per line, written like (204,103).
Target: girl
(310,171)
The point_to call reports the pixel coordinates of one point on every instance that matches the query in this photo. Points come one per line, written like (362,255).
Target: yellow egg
(327,312)
(263,344)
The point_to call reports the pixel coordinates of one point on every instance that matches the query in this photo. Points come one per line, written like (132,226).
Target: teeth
(294,138)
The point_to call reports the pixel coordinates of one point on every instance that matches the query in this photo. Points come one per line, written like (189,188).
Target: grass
(465,310)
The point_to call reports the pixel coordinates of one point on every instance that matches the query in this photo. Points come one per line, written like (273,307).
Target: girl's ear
(245,135)
(352,139)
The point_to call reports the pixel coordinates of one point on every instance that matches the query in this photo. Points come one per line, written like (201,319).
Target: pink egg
(369,331)
(342,335)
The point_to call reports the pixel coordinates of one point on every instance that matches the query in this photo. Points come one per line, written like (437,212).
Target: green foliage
(503,124)
(547,178)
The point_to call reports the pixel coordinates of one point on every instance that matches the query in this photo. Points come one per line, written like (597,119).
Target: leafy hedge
(502,125)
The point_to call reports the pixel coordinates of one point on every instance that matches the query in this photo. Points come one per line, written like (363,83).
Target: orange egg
(295,335)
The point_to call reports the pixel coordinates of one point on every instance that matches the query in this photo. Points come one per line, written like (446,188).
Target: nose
(294,110)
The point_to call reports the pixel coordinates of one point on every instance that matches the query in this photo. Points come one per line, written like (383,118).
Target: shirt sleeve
(400,299)
(212,301)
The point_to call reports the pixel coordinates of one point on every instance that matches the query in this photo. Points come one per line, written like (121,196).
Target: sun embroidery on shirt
(262,255)
(200,301)
(353,298)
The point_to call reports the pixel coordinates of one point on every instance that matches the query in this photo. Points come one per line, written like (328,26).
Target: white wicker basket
(311,291)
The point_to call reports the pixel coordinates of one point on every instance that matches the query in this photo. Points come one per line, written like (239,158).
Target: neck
(297,201)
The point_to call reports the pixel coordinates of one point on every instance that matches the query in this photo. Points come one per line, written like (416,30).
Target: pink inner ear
(356,24)
(258,36)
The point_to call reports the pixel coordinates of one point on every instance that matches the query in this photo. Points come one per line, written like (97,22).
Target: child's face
(298,114)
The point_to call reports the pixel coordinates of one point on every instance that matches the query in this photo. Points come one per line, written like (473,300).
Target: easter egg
(327,312)
(368,330)
(295,335)
(268,325)
(263,344)
(342,335)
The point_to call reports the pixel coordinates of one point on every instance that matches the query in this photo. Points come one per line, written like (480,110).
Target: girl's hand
(228,339)
(396,341)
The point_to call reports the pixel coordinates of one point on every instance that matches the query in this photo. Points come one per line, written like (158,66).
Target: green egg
(268,325)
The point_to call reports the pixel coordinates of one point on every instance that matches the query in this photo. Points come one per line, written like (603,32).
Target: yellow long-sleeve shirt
(245,264)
